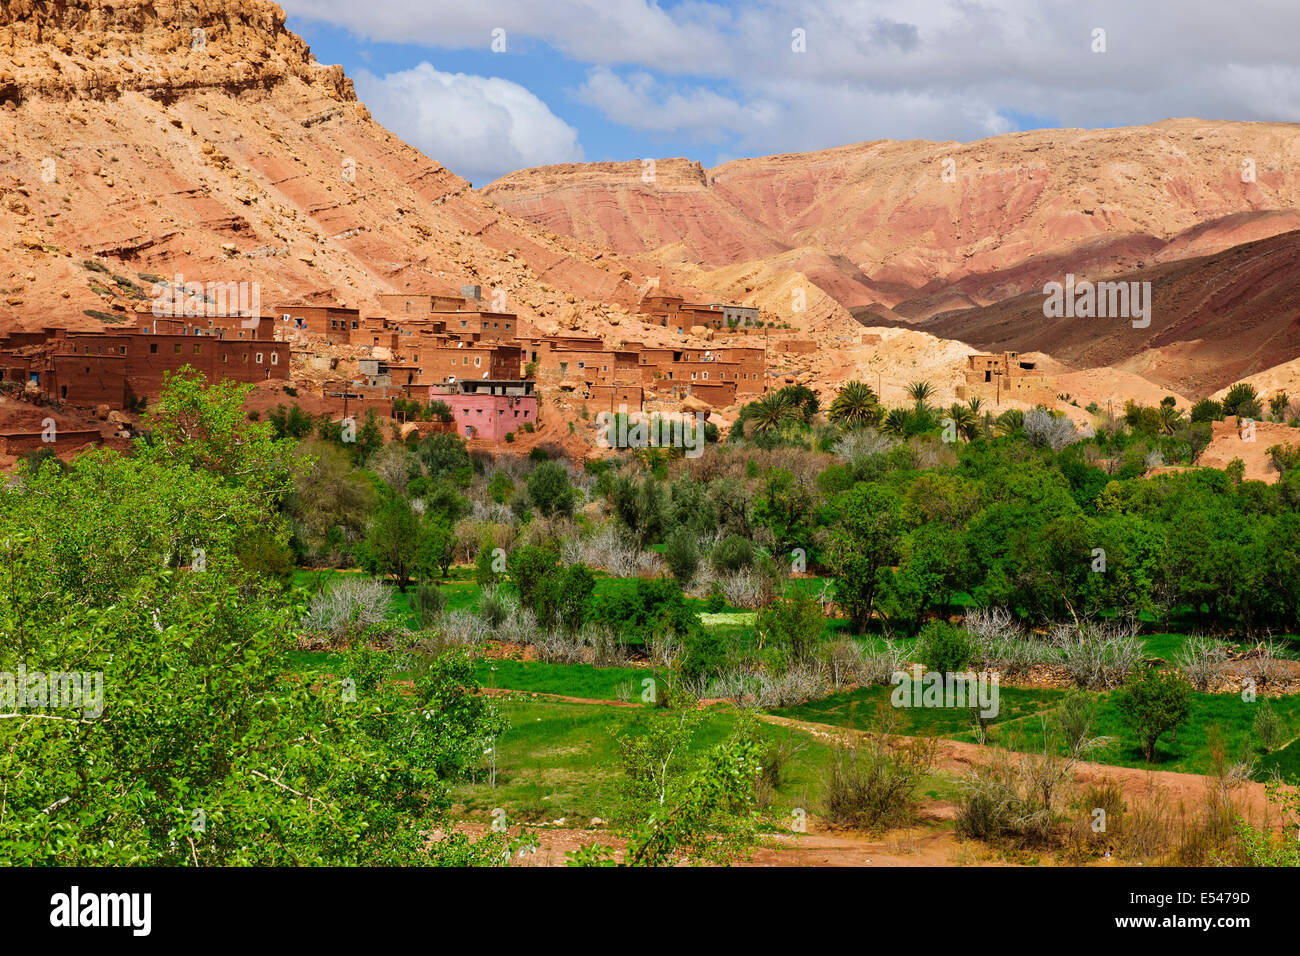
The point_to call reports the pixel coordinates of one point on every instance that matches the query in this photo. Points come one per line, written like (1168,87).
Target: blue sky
(593,80)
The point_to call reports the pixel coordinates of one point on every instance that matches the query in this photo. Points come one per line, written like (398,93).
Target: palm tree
(770,412)
(964,420)
(855,405)
(976,404)
(1170,419)
(920,391)
(1013,419)
(896,421)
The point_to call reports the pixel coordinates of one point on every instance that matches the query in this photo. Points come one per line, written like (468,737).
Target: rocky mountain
(201,138)
(960,239)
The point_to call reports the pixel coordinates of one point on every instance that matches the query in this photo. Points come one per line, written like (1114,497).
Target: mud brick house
(484,325)
(744,367)
(488,409)
(539,348)
(997,378)
(613,397)
(446,364)
(81,366)
(594,366)
(90,380)
(335,324)
(674,312)
(797,346)
(719,395)
(399,305)
(221,326)
(19,443)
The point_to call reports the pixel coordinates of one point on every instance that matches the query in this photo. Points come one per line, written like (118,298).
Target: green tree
(1152,705)
(393,541)
(794,624)
(202,750)
(863,540)
(550,490)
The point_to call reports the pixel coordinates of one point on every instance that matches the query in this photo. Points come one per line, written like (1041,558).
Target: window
(197,347)
(153,348)
(275,358)
(259,358)
(224,357)
(177,348)
(478,361)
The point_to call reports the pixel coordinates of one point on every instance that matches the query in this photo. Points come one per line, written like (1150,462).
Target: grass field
(558,758)
(559,761)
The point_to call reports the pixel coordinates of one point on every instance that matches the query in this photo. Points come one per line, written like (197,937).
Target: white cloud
(712,71)
(479,127)
(642,102)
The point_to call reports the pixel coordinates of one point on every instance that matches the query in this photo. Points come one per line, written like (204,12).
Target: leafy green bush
(943,647)
(732,553)
(682,554)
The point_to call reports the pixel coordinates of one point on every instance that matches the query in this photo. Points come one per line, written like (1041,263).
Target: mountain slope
(1214,320)
(1017,208)
(231,155)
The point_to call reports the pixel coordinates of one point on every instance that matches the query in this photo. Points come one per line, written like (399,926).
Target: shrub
(682,555)
(427,603)
(794,625)
(495,606)
(732,553)
(943,647)
(999,804)
(549,489)
(873,788)
(1267,727)
(1098,654)
(705,653)
(347,608)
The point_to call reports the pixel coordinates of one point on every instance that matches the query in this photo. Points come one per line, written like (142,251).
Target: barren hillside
(202,138)
(1214,320)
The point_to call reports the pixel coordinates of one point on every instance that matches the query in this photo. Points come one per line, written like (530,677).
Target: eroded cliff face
(86,49)
(203,139)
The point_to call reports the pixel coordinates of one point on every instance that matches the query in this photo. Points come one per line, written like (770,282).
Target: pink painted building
(488,410)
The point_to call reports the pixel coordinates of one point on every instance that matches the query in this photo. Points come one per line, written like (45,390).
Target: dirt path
(546,698)
(1188,789)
